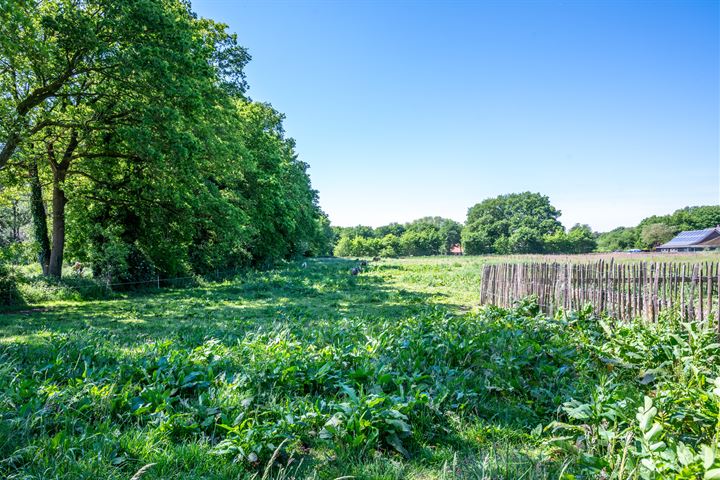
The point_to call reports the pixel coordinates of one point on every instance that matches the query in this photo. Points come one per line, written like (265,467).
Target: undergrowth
(312,373)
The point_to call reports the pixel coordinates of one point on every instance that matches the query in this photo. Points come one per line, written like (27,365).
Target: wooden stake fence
(623,291)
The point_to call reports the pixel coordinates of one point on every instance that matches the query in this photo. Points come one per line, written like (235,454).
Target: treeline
(515,223)
(126,135)
(656,230)
(426,236)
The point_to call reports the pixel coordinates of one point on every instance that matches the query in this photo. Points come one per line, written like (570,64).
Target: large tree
(101,91)
(128,119)
(512,223)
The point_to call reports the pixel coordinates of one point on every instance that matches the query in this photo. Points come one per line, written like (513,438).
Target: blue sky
(407,109)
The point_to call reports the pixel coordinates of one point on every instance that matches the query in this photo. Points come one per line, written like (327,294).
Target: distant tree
(556,242)
(515,223)
(658,229)
(621,238)
(447,231)
(655,234)
(390,246)
(344,247)
(322,241)
(525,240)
(424,236)
(357,231)
(418,242)
(688,218)
(390,229)
(476,242)
(581,239)
(451,231)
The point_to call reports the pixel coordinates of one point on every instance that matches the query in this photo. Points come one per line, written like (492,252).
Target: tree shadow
(307,301)
(323,291)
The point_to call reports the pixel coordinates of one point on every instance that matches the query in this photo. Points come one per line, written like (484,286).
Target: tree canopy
(425,236)
(128,125)
(512,223)
(657,229)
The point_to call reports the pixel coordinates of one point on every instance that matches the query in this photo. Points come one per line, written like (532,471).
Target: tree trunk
(60,170)
(15,221)
(58,225)
(39,217)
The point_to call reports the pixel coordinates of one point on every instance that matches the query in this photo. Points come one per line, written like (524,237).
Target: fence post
(626,291)
(158,282)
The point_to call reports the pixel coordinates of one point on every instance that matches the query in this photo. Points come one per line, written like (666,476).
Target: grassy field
(314,373)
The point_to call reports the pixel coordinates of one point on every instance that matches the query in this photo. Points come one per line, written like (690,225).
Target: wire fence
(85,286)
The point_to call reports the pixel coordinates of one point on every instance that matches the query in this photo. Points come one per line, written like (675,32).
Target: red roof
(456,248)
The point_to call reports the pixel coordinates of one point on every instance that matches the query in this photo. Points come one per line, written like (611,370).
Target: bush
(9,294)
(116,261)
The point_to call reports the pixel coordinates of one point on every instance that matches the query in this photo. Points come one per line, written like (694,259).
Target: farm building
(693,241)
(456,249)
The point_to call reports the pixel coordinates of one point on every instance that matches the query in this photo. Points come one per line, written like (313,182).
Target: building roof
(457,248)
(691,238)
(713,242)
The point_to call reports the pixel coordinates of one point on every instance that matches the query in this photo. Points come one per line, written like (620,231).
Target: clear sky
(408,109)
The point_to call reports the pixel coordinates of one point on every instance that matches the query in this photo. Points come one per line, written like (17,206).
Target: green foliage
(352,232)
(425,236)
(579,239)
(420,242)
(513,223)
(619,239)
(390,229)
(477,242)
(668,374)
(9,294)
(134,112)
(323,241)
(688,218)
(654,234)
(14,217)
(353,376)
(659,229)
(391,246)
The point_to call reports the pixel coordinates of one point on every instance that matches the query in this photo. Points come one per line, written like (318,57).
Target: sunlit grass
(315,373)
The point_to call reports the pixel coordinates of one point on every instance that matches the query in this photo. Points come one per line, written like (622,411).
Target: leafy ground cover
(314,373)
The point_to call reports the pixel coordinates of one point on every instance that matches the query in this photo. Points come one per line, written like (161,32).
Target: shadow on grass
(77,343)
(324,291)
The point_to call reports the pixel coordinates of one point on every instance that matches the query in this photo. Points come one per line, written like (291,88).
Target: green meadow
(306,371)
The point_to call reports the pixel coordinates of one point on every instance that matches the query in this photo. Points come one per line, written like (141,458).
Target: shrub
(9,294)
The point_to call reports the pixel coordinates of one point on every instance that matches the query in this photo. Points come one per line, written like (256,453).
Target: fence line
(157,281)
(624,291)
